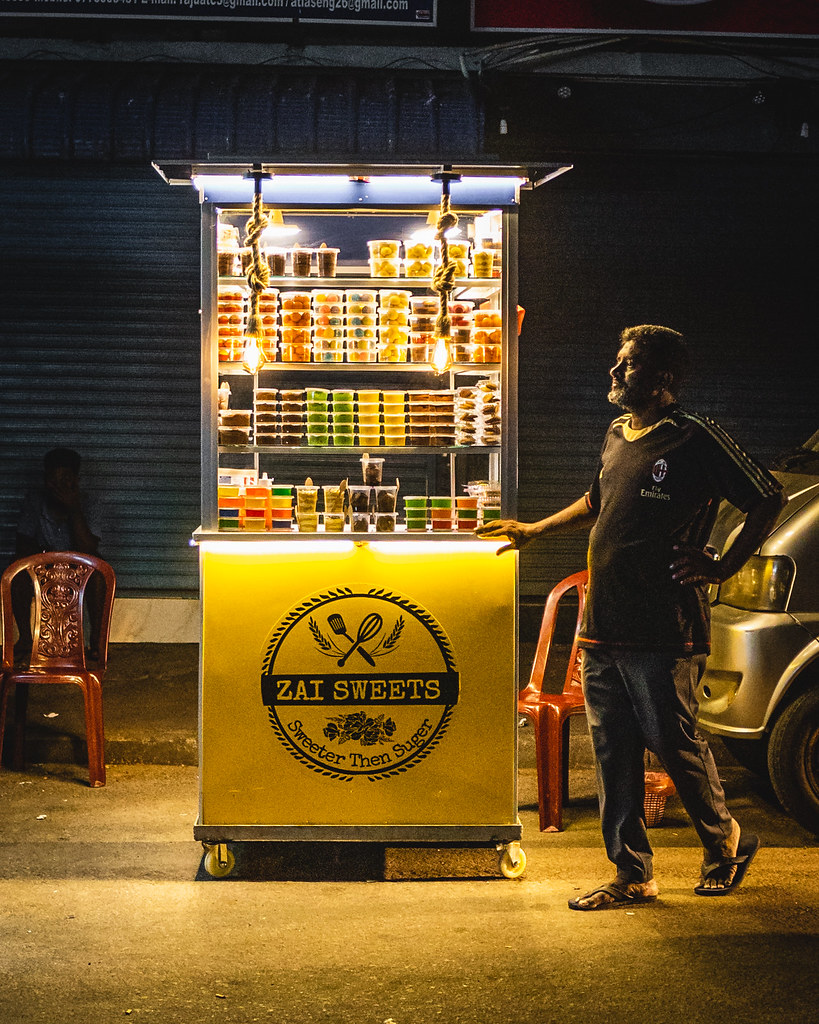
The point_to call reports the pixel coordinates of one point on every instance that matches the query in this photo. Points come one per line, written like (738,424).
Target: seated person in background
(56,517)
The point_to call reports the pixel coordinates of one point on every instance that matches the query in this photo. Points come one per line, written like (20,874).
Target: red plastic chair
(550,712)
(58,650)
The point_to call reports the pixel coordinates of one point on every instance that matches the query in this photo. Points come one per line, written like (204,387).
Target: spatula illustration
(370,625)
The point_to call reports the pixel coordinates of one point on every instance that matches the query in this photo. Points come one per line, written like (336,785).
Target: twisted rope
(443,280)
(258,276)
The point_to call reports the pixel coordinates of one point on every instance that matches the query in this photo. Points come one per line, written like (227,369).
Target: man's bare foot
(726,851)
(617,894)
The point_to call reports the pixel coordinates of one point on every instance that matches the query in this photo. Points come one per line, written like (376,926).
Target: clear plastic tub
(296,318)
(296,352)
(483,263)
(392,298)
(277,261)
(326,261)
(418,250)
(384,248)
(359,296)
(368,415)
(392,353)
(418,268)
(295,300)
(421,304)
(367,397)
(389,316)
(419,353)
(360,335)
(390,399)
(301,261)
(385,268)
(486,318)
(357,354)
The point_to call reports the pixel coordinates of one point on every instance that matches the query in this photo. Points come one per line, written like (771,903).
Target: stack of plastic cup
(415,512)
(487,335)
(297,322)
(384,257)
(385,499)
(418,259)
(483,262)
(393,327)
(318,417)
(266,417)
(333,508)
(369,418)
(291,405)
(467,507)
(231,505)
(442,418)
(360,330)
(395,426)
(360,507)
(343,426)
(257,506)
(306,508)
(440,513)
(328,326)
(491,513)
(281,506)
(269,313)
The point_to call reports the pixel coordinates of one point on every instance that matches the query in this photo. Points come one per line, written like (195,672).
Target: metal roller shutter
(100,341)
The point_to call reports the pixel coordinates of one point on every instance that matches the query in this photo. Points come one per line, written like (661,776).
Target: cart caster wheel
(512,861)
(219,860)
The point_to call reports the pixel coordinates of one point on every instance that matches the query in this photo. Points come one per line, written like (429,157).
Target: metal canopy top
(359,186)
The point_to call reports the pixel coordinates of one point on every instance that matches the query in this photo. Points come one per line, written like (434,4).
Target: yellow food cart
(358,661)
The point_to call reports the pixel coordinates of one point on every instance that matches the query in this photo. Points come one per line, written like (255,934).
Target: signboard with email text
(338,12)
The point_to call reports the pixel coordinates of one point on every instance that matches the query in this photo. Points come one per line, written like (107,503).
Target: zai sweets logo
(359,683)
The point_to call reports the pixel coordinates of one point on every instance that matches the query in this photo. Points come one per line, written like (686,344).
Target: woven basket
(659,788)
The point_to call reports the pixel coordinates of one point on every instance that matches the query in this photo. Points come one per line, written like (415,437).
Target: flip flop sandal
(746,851)
(619,898)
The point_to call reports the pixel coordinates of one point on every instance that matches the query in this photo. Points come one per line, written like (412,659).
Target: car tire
(793,759)
(751,754)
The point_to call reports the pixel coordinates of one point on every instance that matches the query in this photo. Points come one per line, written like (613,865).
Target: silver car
(760,691)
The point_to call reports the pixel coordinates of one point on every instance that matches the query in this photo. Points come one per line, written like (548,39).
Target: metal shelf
(354,280)
(302,450)
(235,369)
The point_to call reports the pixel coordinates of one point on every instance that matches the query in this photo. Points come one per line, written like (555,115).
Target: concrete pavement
(107,914)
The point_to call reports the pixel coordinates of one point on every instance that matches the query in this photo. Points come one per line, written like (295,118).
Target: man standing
(645,633)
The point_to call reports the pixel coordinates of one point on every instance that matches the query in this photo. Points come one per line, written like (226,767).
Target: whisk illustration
(370,626)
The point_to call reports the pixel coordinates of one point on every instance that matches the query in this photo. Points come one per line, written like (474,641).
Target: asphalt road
(106,914)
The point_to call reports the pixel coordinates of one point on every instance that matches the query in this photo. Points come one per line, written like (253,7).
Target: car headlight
(763,584)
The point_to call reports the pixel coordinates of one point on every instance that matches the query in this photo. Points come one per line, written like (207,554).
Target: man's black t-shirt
(653,489)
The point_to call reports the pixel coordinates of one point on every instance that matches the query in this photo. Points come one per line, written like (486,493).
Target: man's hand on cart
(518,534)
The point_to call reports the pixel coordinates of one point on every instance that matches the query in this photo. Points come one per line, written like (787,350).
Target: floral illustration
(359,726)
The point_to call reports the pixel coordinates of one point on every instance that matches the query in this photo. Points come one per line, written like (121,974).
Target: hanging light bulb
(441,354)
(258,277)
(252,356)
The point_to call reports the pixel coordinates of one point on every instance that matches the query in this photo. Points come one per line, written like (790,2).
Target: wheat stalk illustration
(390,642)
(324,643)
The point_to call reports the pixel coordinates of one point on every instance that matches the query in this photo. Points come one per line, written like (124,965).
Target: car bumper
(754,656)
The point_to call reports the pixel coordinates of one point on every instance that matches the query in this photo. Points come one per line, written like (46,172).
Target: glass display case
(349,312)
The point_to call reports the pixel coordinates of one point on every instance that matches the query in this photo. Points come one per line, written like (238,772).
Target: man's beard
(629,397)
(619,396)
